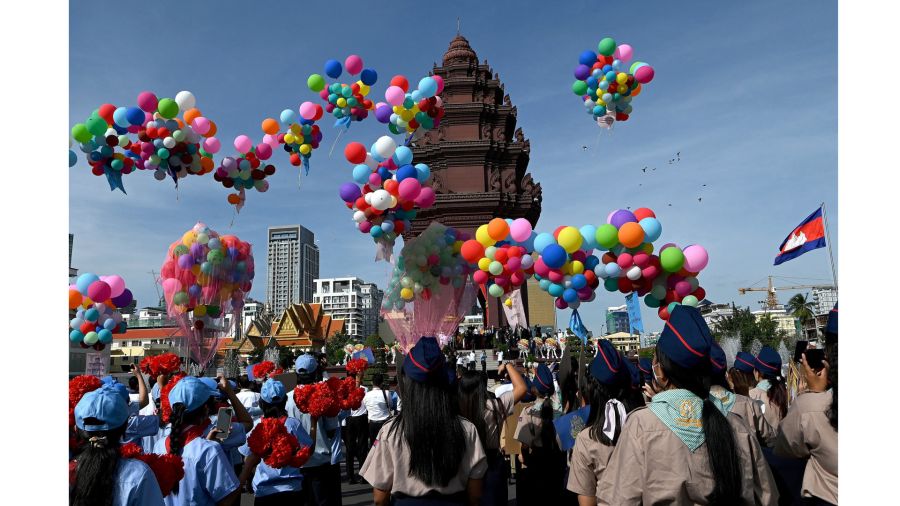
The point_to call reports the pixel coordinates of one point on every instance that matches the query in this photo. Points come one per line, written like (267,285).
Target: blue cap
(190,391)
(120,389)
(646,367)
(607,365)
(768,361)
(633,372)
(543,379)
(528,397)
(108,380)
(104,404)
(306,362)
(832,326)
(685,339)
(717,359)
(425,361)
(213,387)
(273,391)
(155,392)
(744,362)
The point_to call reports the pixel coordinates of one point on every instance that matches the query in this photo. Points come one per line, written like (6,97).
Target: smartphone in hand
(223,423)
(800,349)
(814,358)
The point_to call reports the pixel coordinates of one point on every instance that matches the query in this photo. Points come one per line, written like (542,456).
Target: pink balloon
(99,291)
(520,230)
(200,125)
(426,197)
(644,74)
(271,140)
(561,304)
(263,151)
(440,83)
(409,188)
(242,143)
(374,179)
(517,278)
(541,269)
(683,288)
(394,95)
(147,101)
(623,53)
(116,285)
(480,277)
(353,64)
(555,276)
(211,145)
(308,110)
(365,226)
(514,263)
(695,258)
(625,260)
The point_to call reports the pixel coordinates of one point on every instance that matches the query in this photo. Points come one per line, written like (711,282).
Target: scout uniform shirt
(135,485)
(387,465)
(751,412)
(268,480)
(652,465)
(495,414)
(528,430)
(589,460)
(770,411)
(806,433)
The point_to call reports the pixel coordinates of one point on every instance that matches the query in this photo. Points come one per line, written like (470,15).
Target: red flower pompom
(167,363)
(357,366)
(168,468)
(302,394)
(78,386)
(350,395)
(278,448)
(165,407)
(263,369)
(130,451)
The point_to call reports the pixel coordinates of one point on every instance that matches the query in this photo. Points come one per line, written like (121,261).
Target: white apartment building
(293,264)
(356,302)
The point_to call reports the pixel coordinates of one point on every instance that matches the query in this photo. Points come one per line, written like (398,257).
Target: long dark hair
(472,397)
(569,387)
(96,468)
(742,381)
(833,379)
(777,392)
(598,394)
(431,427)
(548,431)
(273,410)
(720,445)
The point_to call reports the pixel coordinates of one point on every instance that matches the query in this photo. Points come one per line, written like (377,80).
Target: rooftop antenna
(457,25)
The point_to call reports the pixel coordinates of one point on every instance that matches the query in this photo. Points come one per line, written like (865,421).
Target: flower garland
(357,366)
(167,363)
(164,407)
(168,468)
(266,369)
(278,448)
(329,397)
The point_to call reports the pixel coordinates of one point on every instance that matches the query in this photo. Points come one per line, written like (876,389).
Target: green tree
(801,308)
(377,344)
(744,324)
(334,347)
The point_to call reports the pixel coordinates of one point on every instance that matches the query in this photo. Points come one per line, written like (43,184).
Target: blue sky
(747,92)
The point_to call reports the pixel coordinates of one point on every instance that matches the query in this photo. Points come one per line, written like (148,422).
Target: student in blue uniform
(209,477)
(139,426)
(322,473)
(102,477)
(275,486)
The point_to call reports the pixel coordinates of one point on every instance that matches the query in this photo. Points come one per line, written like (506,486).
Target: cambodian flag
(809,235)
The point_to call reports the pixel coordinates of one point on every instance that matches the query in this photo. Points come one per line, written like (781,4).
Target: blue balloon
(73,158)
(333,69)
(135,116)
(590,262)
(570,295)
(387,226)
(368,77)
(376,231)
(384,173)
(554,256)
(407,171)
(611,76)
(528,244)
(84,281)
(579,281)
(428,87)
(423,172)
(544,284)
(652,229)
(91,315)
(543,240)
(613,270)
(361,173)
(109,324)
(76,336)
(592,82)
(589,237)
(403,155)
(105,335)
(556,290)
(416,96)
(288,116)
(587,57)
(120,117)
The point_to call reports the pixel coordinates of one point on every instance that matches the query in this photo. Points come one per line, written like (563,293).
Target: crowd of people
(683,428)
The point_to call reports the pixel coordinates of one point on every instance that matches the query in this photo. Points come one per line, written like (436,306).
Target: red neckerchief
(191,433)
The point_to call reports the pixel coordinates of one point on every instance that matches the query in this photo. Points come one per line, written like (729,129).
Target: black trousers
(374,427)
(322,485)
(495,491)
(279,499)
(356,437)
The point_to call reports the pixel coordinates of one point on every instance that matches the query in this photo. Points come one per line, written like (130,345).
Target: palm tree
(802,308)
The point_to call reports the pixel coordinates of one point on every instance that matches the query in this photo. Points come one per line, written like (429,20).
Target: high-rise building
(825,299)
(73,272)
(293,261)
(353,300)
(617,320)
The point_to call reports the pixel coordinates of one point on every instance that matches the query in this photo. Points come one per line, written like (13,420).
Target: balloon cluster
(503,263)
(407,111)
(346,102)
(391,188)
(301,134)
(245,170)
(664,280)
(96,301)
(164,143)
(604,82)
(430,261)
(564,267)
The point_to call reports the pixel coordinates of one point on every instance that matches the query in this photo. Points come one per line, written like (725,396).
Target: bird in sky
(584,148)
(699,199)
(644,169)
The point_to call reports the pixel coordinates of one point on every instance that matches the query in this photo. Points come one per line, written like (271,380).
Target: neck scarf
(682,412)
(190,432)
(764,385)
(722,398)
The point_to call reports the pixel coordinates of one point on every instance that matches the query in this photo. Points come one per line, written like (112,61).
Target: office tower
(293,264)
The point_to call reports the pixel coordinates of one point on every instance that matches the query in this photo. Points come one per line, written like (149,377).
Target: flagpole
(830,254)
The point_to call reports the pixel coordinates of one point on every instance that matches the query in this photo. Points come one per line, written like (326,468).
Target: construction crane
(771,301)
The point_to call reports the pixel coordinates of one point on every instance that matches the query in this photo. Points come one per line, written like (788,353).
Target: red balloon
(624,284)
(500,255)
(399,227)
(621,116)
(663,313)
(355,153)
(472,251)
(401,82)
(106,111)
(556,232)
(700,293)
(643,212)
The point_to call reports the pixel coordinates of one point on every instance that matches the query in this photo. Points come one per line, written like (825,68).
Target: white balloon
(169,142)
(381,199)
(368,198)
(359,216)
(185,100)
(371,162)
(385,147)
(634,273)
(600,271)
(527,262)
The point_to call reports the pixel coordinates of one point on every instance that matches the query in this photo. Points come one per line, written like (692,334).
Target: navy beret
(686,338)
(607,365)
(768,361)
(425,361)
(717,358)
(543,379)
(744,362)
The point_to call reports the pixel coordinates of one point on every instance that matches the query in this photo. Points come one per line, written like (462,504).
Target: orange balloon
(212,129)
(206,163)
(631,235)
(498,229)
(191,114)
(472,251)
(75,298)
(637,91)
(234,199)
(180,123)
(392,186)
(270,126)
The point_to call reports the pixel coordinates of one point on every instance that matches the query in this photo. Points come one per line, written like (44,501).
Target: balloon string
(336,139)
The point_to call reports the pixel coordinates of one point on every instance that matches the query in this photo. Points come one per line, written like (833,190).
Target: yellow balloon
(647,247)
(202,279)
(415,109)
(407,115)
(622,78)
(299,139)
(406,293)
(508,303)
(457,246)
(188,238)
(482,236)
(363,89)
(296,129)
(566,268)
(570,239)
(86,302)
(305,149)
(601,102)
(484,264)
(195,269)
(577,267)
(397,109)
(289,138)
(200,310)
(342,102)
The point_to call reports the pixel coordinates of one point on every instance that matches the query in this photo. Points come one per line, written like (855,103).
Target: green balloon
(607,46)
(181,298)
(80,133)
(690,300)
(635,66)
(607,235)
(579,88)
(495,268)
(167,108)
(393,128)
(651,301)
(316,82)
(495,290)
(671,307)
(611,284)
(96,125)
(116,164)
(671,259)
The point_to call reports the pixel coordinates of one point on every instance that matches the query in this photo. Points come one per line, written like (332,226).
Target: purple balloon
(621,217)
(185,261)
(123,298)
(350,192)
(582,72)
(383,113)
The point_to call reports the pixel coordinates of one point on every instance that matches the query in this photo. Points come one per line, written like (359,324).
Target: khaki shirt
(528,428)
(753,415)
(589,460)
(497,410)
(806,433)
(387,465)
(770,411)
(651,465)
